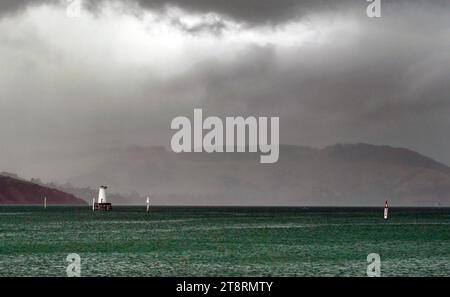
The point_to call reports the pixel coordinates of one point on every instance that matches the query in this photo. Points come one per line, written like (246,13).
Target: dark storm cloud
(13,6)
(249,11)
(259,12)
(256,12)
(252,12)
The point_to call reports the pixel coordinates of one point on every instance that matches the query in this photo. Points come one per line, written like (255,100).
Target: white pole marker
(386,210)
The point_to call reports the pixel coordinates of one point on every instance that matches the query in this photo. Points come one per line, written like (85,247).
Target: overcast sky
(118,74)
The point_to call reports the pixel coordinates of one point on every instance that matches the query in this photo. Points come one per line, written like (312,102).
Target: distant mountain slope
(339,175)
(17,191)
(385,154)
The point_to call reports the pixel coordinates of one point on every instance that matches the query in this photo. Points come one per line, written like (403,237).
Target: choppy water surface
(176,241)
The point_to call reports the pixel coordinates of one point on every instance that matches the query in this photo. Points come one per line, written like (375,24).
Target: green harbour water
(224,241)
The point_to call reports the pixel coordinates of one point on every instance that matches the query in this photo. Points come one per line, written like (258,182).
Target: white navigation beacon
(386,210)
(148,203)
(102,204)
(102,194)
